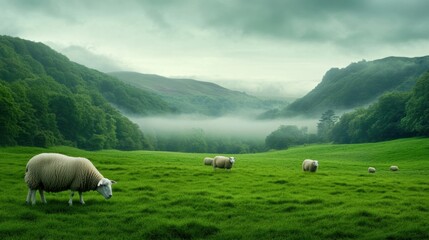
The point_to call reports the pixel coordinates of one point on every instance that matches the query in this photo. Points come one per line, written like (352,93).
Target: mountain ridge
(357,85)
(193,96)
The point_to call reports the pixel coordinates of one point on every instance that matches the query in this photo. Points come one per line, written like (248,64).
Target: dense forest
(394,115)
(357,85)
(46,100)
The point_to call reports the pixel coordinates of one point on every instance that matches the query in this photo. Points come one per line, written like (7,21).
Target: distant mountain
(192,96)
(45,100)
(357,85)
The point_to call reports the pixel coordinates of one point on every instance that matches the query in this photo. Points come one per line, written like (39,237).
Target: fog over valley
(231,126)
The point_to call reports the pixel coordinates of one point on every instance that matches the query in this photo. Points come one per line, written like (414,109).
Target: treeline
(196,140)
(394,115)
(46,100)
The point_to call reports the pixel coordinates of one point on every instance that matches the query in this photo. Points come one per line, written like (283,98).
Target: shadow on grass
(191,230)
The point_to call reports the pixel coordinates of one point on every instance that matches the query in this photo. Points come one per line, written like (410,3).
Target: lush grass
(163,195)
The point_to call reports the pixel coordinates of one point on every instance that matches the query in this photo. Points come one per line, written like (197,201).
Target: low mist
(236,126)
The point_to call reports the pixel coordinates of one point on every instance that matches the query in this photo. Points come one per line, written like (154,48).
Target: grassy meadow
(169,195)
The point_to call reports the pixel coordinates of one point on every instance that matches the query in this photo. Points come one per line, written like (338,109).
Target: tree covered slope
(358,85)
(192,96)
(45,99)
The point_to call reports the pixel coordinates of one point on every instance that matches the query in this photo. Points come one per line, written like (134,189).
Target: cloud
(336,21)
(90,59)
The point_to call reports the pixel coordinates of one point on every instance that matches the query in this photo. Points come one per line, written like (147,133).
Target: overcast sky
(280,46)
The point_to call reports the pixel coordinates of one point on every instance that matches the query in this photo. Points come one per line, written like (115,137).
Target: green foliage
(326,124)
(9,116)
(197,141)
(47,100)
(286,136)
(167,195)
(358,85)
(394,115)
(417,113)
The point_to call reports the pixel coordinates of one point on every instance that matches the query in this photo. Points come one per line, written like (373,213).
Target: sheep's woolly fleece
(223,162)
(309,165)
(53,172)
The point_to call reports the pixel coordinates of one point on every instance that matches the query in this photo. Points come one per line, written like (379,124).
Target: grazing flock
(53,172)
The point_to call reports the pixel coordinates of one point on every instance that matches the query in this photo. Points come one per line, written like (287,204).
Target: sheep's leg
(42,196)
(71,198)
(28,196)
(81,198)
(33,197)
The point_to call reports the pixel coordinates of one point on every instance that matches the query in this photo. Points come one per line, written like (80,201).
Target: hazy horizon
(239,126)
(279,47)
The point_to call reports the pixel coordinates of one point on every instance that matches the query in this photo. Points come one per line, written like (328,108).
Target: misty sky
(279,46)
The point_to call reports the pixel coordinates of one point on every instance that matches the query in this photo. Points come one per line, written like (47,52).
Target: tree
(285,136)
(417,113)
(385,117)
(9,112)
(326,124)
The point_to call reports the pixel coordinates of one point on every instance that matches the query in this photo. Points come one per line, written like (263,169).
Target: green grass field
(165,195)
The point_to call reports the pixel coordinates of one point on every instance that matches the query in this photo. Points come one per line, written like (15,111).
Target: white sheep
(394,168)
(223,162)
(371,170)
(309,165)
(208,161)
(53,172)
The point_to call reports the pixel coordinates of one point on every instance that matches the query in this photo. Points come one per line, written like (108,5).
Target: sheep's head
(315,163)
(104,187)
(232,160)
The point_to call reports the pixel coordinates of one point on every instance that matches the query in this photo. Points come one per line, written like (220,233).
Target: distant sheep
(394,168)
(223,162)
(53,172)
(309,165)
(371,170)
(208,161)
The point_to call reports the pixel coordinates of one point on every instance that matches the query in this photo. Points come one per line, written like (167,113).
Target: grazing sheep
(53,172)
(223,162)
(310,165)
(394,168)
(208,161)
(371,170)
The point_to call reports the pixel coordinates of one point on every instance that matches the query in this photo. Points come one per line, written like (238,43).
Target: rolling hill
(357,85)
(45,99)
(192,96)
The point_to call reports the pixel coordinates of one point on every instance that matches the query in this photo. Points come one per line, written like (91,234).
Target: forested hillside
(192,96)
(394,115)
(357,85)
(45,100)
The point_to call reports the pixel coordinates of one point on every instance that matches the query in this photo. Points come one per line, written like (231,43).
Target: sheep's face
(316,163)
(232,160)
(104,187)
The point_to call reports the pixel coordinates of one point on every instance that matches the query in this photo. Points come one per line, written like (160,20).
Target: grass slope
(166,195)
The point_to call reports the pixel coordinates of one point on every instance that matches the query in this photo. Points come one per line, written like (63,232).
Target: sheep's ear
(113,181)
(100,183)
